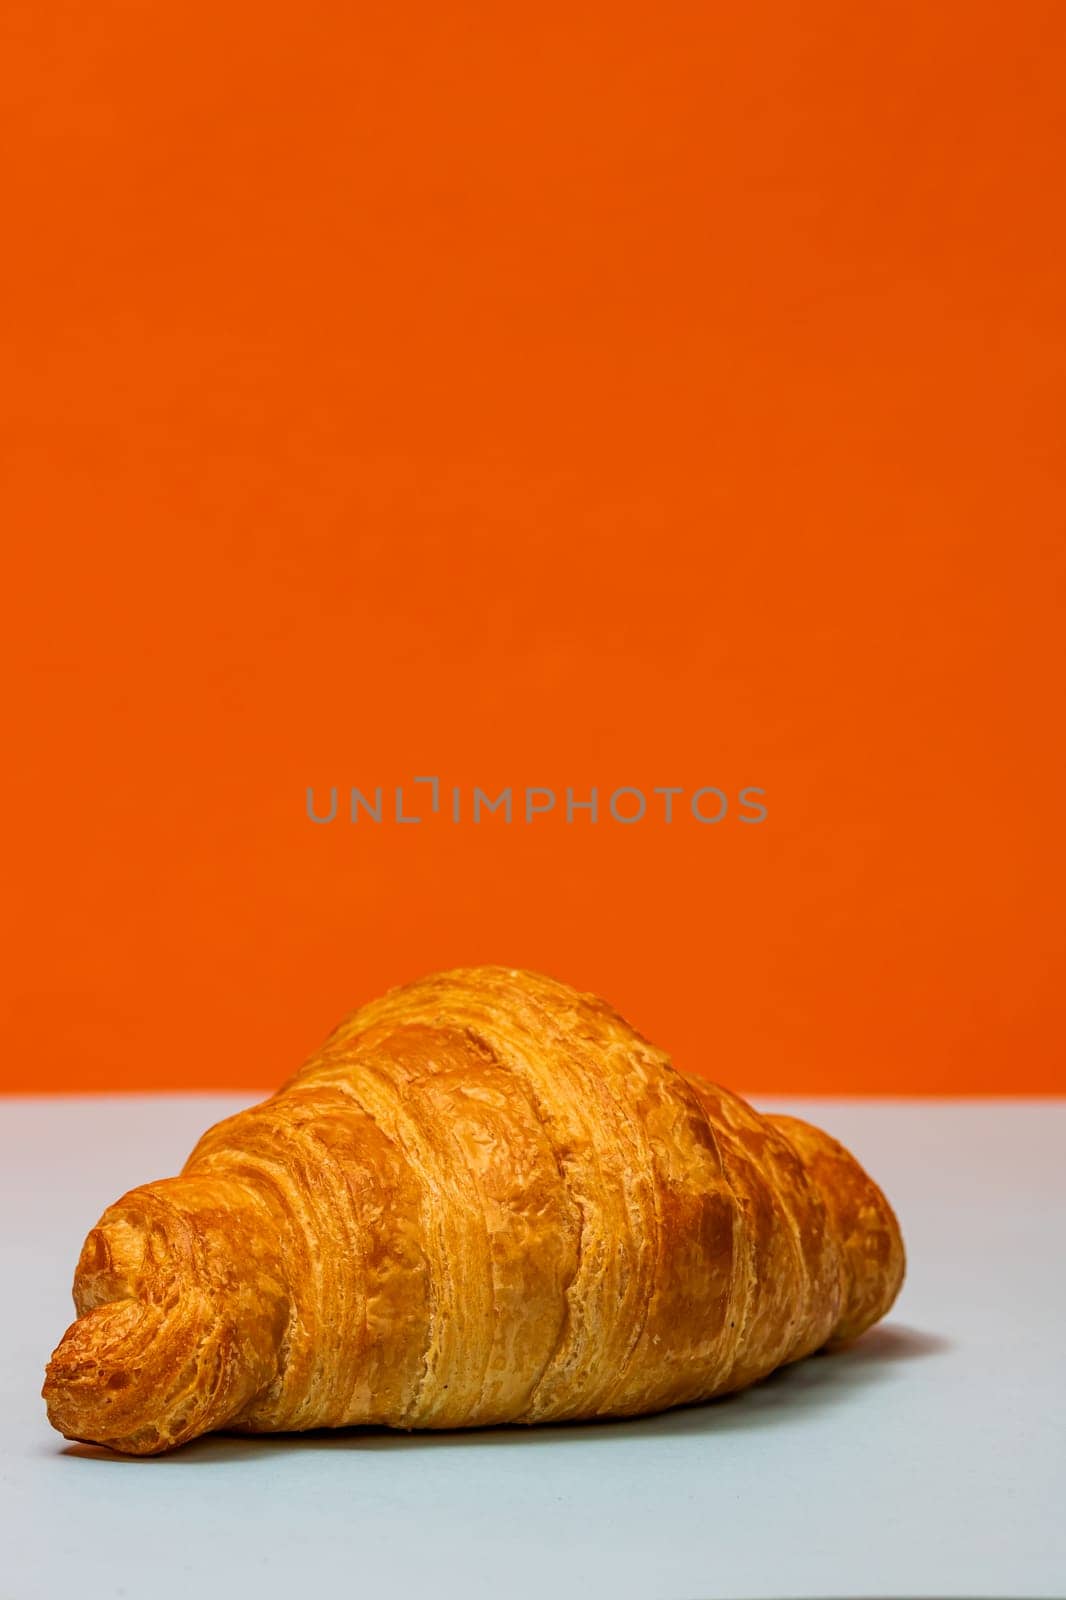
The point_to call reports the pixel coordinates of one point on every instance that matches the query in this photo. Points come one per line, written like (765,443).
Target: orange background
(563,394)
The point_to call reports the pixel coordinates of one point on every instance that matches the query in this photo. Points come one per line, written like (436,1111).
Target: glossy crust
(487,1199)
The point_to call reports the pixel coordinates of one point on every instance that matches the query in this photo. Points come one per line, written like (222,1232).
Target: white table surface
(927,1461)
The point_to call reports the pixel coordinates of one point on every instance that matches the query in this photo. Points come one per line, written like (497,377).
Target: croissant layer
(487,1199)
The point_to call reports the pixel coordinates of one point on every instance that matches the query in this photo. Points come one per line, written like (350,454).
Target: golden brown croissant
(486,1200)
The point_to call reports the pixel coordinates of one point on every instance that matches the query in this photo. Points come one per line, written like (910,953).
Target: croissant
(486,1200)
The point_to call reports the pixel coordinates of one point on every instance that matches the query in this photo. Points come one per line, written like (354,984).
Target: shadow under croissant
(783,1397)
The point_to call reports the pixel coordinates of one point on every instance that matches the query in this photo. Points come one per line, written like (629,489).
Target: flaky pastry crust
(486,1200)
